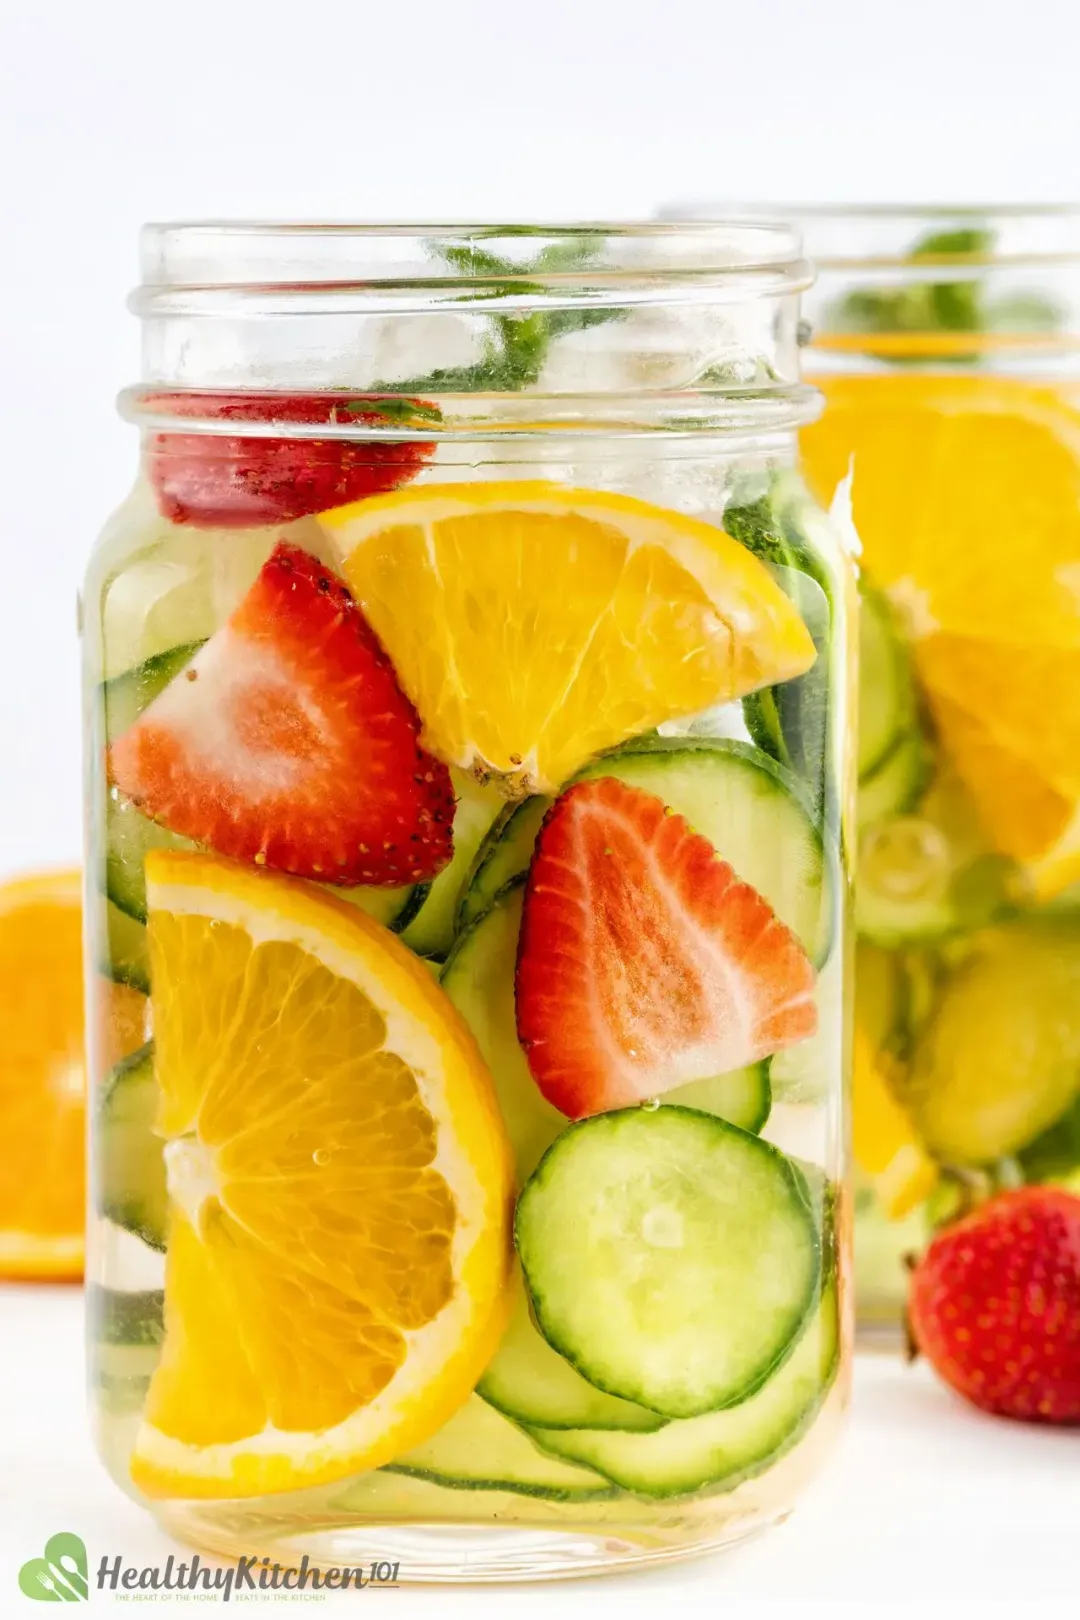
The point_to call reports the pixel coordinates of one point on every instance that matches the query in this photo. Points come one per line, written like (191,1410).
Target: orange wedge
(966,496)
(534,625)
(885,1145)
(339,1182)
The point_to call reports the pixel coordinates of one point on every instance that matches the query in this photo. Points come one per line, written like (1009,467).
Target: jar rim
(696,322)
(198,259)
(1013,233)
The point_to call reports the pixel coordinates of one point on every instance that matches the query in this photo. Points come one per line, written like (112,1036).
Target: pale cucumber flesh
(669,1256)
(720,1450)
(479,1449)
(531,1383)
(431,932)
(130,1163)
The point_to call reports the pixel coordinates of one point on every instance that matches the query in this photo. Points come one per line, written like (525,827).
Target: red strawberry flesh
(644,962)
(216,480)
(287,742)
(995,1305)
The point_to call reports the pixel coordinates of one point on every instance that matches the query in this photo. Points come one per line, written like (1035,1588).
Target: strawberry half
(287,741)
(232,481)
(643,960)
(995,1305)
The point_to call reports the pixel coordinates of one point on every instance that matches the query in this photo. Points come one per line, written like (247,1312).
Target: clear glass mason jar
(947,344)
(468,703)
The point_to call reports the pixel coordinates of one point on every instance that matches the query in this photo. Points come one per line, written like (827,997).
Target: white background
(930,1511)
(112,113)
(117,111)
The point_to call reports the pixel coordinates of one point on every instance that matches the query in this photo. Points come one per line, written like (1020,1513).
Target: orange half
(42,1077)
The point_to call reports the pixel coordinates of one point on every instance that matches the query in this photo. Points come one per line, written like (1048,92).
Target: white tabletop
(926,1499)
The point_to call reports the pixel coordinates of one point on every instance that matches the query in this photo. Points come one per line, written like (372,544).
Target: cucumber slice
(928,874)
(479,979)
(129,837)
(166,584)
(896,783)
(797,723)
(530,1383)
(125,697)
(886,690)
(125,1332)
(998,1061)
(746,805)
(394,908)
(743,1097)
(803,706)
(383,1497)
(431,933)
(131,1165)
(762,719)
(811,1071)
(670,1257)
(503,855)
(720,1450)
(119,945)
(480,1450)
(117,1317)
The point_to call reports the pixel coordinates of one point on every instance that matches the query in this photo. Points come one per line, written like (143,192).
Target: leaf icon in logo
(61,1575)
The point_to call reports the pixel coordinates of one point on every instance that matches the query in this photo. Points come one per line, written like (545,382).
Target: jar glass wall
(467,690)
(947,344)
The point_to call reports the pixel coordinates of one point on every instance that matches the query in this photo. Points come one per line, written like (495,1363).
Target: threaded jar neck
(690,328)
(939,285)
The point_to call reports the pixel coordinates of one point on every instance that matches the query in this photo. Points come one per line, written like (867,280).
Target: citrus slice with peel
(42,1077)
(339,1183)
(966,495)
(884,1141)
(533,625)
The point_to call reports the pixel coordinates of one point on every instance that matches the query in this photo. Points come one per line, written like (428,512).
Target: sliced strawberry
(231,481)
(643,961)
(287,741)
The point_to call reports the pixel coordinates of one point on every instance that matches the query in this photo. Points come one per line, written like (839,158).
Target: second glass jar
(947,344)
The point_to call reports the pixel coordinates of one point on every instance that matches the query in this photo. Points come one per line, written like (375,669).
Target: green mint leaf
(951,244)
(517,345)
(926,306)
(394,408)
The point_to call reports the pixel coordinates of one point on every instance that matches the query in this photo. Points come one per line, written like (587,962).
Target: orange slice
(534,625)
(42,1077)
(966,495)
(884,1142)
(339,1184)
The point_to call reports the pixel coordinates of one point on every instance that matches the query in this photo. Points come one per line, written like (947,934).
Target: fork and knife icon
(60,1576)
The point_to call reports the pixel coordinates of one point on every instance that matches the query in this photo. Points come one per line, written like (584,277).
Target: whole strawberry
(995,1305)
